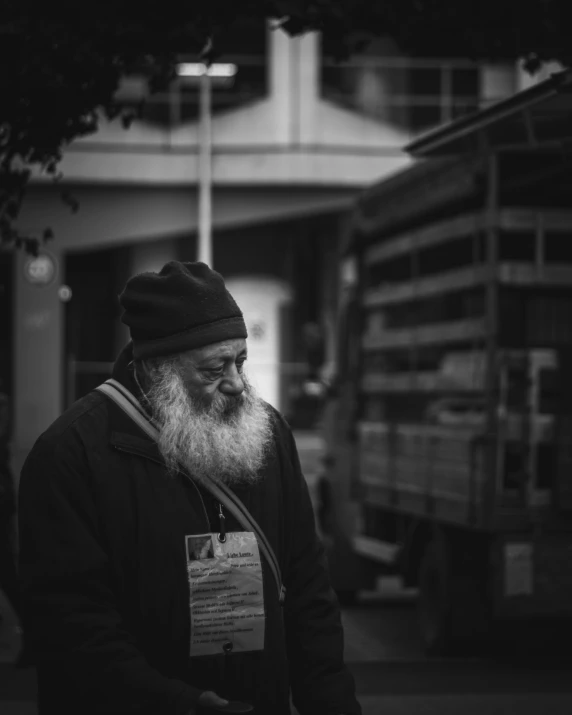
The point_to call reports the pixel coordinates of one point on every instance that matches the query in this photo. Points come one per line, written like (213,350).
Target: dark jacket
(103,570)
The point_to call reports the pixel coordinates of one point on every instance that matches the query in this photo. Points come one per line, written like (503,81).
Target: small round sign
(65,293)
(257,330)
(40,270)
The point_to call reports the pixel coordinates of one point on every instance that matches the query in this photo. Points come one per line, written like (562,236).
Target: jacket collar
(125,435)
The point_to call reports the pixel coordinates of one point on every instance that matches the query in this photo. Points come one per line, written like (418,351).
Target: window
(413,94)
(245,46)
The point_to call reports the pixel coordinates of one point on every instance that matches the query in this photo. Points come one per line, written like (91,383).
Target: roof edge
(471,123)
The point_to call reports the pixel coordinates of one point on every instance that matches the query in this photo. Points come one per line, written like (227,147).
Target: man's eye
(240,365)
(214,372)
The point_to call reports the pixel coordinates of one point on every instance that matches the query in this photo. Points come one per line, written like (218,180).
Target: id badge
(226,593)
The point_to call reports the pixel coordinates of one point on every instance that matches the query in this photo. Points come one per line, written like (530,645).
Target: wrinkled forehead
(224,350)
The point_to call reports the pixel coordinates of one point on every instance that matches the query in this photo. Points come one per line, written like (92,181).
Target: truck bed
(429,470)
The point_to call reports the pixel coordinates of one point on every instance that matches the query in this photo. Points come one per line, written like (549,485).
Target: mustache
(227,406)
(218,435)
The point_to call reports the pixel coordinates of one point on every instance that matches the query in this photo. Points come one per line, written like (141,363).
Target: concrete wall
(111,215)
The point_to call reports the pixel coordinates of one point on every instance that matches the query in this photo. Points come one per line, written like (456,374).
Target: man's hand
(208,699)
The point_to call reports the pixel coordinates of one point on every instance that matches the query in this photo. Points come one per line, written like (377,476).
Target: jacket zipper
(221,520)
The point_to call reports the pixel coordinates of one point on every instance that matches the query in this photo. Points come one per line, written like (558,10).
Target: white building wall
(260,300)
(498,81)
(524,79)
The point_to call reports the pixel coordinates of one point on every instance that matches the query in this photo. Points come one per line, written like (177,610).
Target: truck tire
(434,601)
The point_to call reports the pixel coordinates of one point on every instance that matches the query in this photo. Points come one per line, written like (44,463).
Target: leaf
(70,201)
(31,245)
(127,119)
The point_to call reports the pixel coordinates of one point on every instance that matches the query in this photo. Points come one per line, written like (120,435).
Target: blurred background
(396,231)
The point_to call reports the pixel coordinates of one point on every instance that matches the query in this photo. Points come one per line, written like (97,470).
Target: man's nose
(232,384)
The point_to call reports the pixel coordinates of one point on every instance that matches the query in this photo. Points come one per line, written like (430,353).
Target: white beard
(226,440)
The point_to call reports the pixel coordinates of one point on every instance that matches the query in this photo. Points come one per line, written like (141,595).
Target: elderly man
(122,617)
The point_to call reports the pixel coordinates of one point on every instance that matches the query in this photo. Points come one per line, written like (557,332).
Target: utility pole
(205,249)
(221,73)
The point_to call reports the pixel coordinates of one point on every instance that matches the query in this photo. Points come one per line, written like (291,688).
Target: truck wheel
(434,602)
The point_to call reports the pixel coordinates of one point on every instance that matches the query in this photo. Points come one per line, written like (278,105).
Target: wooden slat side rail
(413,192)
(433,234)
(452,510)
(454,447)
(521,219)
(376,469)
(435,467)
(373,429)
(513,273)
(450,452)
(401,487)
(373,434)
(450,332)
(468,277)
(380,551)
(416,489)
(527,274)
(508,219)
(379,383)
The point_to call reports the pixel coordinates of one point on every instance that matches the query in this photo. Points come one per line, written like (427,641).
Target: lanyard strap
(132,407)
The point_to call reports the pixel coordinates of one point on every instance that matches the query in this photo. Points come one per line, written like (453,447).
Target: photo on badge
(200,547)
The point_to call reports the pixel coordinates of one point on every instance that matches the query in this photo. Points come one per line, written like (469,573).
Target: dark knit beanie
(184,306)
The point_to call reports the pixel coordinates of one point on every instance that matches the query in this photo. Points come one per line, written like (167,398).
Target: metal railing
(412,94)
(180,102)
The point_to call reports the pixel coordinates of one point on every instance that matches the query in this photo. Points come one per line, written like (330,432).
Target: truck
(448,425)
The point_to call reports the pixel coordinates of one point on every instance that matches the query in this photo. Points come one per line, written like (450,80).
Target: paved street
(394,678)
(517,674)
(520,674)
